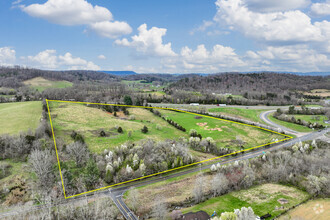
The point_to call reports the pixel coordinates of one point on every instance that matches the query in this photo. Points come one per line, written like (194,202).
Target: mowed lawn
(41,84)
(249,114)
(19,116)
(223,132)
(90,121)
(262,199)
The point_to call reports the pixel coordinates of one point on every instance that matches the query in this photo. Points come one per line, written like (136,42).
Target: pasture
(263,199)
(40,84)
(90,121)
(16,117)
(225,133)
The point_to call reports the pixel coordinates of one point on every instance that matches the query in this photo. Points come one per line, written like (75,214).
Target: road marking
(124,209)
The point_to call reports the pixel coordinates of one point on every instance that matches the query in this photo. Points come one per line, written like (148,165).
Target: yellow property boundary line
(166,171)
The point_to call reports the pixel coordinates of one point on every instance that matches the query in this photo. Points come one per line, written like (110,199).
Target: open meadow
(40,84)
(19,116)
(90,121)
(267,198)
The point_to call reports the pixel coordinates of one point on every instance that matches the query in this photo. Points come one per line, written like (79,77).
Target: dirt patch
(198,117)
(206,127)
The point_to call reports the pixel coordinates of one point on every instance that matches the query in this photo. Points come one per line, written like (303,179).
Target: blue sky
(166,36)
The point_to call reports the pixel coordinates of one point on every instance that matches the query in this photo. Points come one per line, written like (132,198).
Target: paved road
(264,117)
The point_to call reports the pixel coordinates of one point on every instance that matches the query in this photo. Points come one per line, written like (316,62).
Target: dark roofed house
(200,215)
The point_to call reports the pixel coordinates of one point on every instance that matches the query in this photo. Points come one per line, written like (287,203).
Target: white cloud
(219,58)
(48,59)
(45,59)
(202,27)
(321,9)
(149,42)
(111,29)
(290,58)
(79,12)
(290,26)
(7,56)
(101,57)
(277,5)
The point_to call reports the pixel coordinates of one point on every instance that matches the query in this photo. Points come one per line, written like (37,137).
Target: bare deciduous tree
(42,164)
(79,151)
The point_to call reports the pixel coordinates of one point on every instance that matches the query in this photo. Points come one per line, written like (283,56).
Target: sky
(158,36)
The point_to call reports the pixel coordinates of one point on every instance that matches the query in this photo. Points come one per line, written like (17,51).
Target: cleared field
(318,209)
(19,116)
(319,92)
(290,125)
(90,121)
(41,84)
(223,132)
(312,118)
(249,114)
(262,199)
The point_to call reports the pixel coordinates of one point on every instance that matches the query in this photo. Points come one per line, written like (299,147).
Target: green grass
(19,116)
(309,118)
(249,114)
(262,199)
(290,125)
(229,130)
(40,84)
(89,121)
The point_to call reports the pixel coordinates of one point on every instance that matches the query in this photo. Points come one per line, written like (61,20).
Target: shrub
(144,129)
(120,130)
(102,133)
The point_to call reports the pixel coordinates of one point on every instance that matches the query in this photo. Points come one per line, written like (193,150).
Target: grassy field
(223,132)
(249,114)
(41,84)
(262,199)
(89,122)
(310,118)
(19,116)
(290,125)
(318,209)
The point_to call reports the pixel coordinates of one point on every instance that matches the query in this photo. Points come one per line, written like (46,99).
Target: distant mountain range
(123,73)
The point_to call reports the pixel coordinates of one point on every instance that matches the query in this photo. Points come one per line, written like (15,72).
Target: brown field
(319,92)
(312,210)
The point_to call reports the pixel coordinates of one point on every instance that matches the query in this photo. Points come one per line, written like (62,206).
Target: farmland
(40,84)
(19,116)
(318,209)
(90,122)
(223,132)
(262,199)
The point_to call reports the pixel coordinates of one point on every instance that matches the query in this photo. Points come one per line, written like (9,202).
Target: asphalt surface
(117,193)
(264,117)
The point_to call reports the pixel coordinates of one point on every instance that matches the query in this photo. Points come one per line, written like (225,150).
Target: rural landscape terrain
(182,110)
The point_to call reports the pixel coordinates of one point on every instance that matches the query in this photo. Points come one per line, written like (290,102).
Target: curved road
(264,117)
